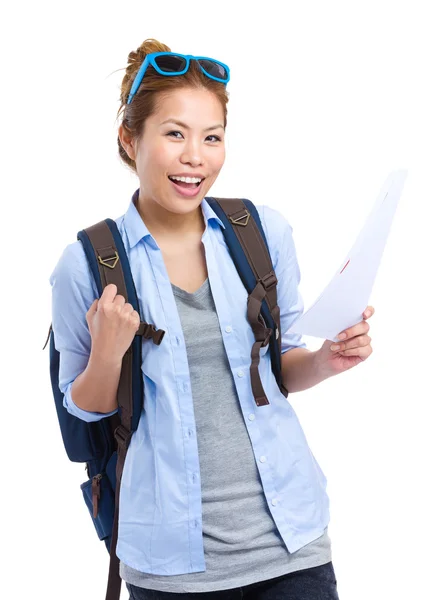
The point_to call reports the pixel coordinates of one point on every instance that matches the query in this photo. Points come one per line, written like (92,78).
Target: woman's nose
(192,154)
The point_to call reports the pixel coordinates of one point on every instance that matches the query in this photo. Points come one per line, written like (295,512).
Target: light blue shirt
(160,511)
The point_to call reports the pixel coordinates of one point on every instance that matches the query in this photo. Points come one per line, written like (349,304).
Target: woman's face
(190,144)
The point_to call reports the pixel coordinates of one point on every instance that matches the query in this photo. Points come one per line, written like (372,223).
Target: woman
(217,495)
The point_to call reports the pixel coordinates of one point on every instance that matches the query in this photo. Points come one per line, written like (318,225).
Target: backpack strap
(248,247)
(109,263)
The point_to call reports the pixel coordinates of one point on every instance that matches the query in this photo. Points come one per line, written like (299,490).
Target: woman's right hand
(112,323)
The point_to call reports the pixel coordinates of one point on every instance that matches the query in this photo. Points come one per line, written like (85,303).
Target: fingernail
(342,336)
(334,347)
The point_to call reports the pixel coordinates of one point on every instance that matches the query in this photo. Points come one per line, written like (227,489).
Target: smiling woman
(158,154)
(192,102)
(211,498)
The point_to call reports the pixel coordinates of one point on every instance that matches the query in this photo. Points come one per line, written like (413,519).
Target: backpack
(103,444)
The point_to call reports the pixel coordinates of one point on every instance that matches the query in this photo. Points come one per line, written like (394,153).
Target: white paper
(345,298)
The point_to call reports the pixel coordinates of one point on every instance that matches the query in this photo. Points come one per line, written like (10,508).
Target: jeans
(316,583)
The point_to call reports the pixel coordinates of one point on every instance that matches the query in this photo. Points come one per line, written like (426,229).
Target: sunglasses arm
(138,79)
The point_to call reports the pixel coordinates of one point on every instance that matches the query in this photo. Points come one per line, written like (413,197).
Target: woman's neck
(163,223)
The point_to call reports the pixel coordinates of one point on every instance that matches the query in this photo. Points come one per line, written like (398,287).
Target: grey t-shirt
(241,542)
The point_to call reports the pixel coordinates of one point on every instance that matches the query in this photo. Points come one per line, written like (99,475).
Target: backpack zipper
(96,493)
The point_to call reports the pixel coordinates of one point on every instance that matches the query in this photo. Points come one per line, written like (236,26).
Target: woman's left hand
(336,357)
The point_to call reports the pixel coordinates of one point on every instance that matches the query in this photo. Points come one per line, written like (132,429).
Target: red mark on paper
(344,267)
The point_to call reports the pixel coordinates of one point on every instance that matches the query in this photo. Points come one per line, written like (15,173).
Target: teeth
(187,179)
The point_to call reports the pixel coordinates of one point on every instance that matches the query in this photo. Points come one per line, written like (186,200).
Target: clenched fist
(112,324)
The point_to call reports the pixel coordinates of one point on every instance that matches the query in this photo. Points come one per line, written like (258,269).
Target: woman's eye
(174,132)
(217,139)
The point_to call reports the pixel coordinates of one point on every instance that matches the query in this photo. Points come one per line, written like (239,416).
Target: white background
(326,98)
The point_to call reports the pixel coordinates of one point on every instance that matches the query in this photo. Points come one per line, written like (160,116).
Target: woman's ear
(127,141)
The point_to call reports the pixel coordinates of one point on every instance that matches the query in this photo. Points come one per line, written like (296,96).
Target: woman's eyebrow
(181,124)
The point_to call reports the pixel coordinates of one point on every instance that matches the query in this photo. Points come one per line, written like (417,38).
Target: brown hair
(152,89)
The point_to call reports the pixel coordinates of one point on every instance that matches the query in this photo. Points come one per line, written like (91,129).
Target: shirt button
(263,459)
(251,417)
(274,502)
(177,340)
(240,373)
(228,329)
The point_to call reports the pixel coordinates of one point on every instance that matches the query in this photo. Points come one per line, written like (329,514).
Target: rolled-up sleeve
(73,292)
(279,235)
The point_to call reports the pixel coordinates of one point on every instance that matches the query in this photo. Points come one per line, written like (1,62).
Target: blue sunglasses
(171,63)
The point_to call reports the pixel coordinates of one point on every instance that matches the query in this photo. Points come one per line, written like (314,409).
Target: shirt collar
(136,228)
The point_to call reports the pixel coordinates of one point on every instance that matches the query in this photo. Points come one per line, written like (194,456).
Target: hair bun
(136,57)
(135,60)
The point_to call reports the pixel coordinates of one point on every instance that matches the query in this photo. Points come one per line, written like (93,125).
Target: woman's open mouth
(187,189)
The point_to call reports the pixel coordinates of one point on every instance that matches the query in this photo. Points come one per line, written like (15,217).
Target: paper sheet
(345,298)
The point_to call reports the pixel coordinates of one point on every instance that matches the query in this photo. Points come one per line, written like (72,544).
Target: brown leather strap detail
(96,494)
(148,332)
(105,250)
(123,438)
(262,335)
(259,259)
(111,272)
(252,243)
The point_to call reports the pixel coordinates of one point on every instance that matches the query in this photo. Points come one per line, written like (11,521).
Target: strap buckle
(114,258)
(269,281)
(122,436)
(158,336)
(148,331)
(243,217)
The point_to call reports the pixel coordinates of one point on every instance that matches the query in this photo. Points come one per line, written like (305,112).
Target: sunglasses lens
(213,68)
(170,63)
